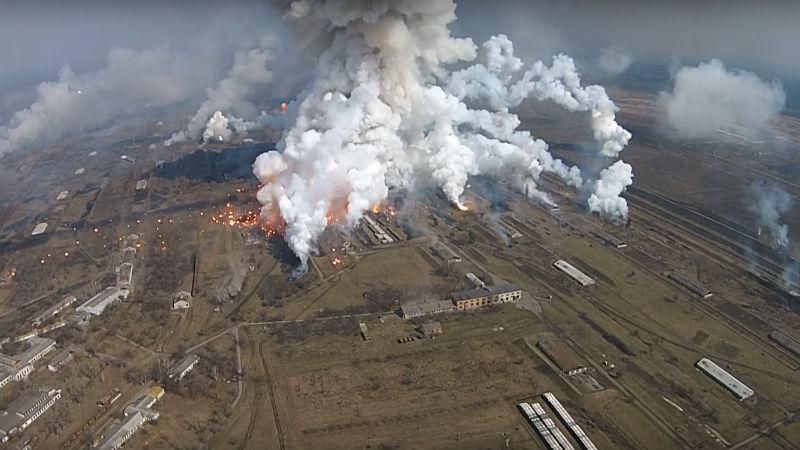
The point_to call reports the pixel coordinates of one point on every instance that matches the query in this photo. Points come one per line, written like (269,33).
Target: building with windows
(425,307)
(25,410)
(488,295)
(137,413)
(18,367)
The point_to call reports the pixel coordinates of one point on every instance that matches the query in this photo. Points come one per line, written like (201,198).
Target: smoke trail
(770,204)
(383,109)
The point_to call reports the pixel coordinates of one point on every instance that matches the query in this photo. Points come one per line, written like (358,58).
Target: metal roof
(724,378)
(576,274)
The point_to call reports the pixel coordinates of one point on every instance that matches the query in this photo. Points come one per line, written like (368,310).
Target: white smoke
(495,83)
(614,60)
(710,97)
(606,199)
(131,81)
(217,128)
(383,110)
(234,94)
(771,203)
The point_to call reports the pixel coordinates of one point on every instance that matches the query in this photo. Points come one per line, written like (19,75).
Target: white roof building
(184,366)
(62,195)
(25,410)
(582,279)
(107,297)
(39,229)
(728,381)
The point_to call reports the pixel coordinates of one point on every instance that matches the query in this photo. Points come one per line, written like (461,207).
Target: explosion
(385,112)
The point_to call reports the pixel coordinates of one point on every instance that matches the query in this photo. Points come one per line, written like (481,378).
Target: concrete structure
(611,241)
(136,414)
(80,171)
(107,297)
(61,359)
(431,329)
(489,295)
(124,275)
(141,185)
(692,285)
(785,341)
(19,366)
(39,229)
(381,235)
(25,410)
(182,300)
(728,381)
(425,307)
(62,195)
(573,426)
(563,356)
(53,311)
(582,279)
(475,281)
(184,366)
(446,253)
(545,427)
(364,331)
(5,378)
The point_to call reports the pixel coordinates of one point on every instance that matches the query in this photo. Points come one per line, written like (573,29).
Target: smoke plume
(770,204)
(234,94)
(131,82)
(606,199)
(614,61)
(384,110)
(710,97)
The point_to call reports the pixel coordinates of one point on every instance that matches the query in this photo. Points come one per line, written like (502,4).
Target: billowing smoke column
(606,199)
(232,95)
(771,203)
(217,128)
(383,110)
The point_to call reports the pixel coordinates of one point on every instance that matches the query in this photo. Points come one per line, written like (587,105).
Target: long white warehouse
(728,381)
(582,279)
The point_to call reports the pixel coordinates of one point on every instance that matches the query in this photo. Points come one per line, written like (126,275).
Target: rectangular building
(692,285)
(728,381)
(137,413)
(582,279)
(107,297)
(184,366)
(425,307)
(61,359)
(563,356)
(488,295)
(785,341)
(25,410)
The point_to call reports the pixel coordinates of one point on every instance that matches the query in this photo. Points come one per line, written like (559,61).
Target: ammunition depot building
(489,295)
(563,356)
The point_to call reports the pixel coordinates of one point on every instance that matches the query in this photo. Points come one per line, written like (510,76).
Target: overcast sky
(41,36)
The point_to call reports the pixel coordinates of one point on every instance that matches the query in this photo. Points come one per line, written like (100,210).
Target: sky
(41,36)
